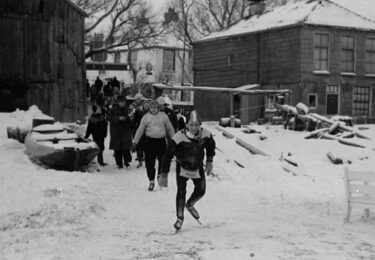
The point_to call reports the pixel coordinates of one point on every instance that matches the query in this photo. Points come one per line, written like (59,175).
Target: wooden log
(293,110)
(344,127)
(225,132)
(252,149)
(328,136)
(344,141)
(348,135)
(234,160)
(334,159)
(334,127)
(290,161)
(287,169)
(316,133)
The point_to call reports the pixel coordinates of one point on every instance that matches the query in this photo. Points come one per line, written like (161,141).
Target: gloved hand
(134,147)
(163,181)
(209,168)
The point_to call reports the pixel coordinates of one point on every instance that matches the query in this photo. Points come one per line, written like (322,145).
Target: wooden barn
(42,58)
(323,52)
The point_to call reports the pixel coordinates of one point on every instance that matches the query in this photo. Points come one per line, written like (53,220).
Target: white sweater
(154,126)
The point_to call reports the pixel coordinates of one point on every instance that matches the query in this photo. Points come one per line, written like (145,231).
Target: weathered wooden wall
(280,58)
(44,50)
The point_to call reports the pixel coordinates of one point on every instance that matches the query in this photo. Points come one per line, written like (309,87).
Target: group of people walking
(156,134)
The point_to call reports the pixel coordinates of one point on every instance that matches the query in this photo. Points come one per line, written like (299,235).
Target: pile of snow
(24,119)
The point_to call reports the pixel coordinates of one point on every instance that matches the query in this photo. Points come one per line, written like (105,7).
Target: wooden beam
(224,90)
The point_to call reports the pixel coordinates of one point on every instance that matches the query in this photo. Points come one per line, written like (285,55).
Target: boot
(193,212)
(178,224)
(151,186)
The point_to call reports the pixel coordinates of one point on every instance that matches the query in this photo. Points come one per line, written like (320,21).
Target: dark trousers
(198,193)
(121,155)
(100,143)
(154,149)
(140,154)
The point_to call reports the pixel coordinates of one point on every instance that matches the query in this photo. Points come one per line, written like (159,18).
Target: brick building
(322,51)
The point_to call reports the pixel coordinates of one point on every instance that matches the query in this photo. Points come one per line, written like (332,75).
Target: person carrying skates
(189,145)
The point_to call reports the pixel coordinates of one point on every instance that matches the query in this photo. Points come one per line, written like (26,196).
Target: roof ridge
(312,10)
(350,11)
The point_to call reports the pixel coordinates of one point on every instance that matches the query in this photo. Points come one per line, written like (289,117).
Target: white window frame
(369,99)
(370,52)
(320,69)
(347,72)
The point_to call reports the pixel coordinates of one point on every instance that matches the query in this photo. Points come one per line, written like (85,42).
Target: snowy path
(256,212)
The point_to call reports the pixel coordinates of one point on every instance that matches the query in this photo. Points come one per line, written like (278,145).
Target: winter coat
(189,152)
(138,114)
(97,127)
(172,117)
(121,132)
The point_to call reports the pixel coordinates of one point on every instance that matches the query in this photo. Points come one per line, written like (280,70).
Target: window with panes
(313,100)
(370,56)
(347,53)
(117,58)
(321,43)
(169,59)
(361,101)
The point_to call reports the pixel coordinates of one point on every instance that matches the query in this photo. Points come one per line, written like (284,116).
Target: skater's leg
(162,147)
(199,189)
(181,196)
(150,158)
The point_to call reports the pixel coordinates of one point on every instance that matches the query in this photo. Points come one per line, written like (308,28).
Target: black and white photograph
(187,129)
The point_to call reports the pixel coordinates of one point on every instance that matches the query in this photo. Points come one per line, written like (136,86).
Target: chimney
(256,7)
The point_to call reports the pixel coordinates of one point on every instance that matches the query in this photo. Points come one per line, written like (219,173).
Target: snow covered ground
(256,212)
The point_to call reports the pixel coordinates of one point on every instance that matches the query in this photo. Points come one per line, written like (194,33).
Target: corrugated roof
(318,12)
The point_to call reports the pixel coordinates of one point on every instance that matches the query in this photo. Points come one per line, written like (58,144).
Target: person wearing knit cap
(190,146)
(154,127)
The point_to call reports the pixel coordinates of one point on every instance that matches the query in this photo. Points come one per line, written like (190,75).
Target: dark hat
(120,98)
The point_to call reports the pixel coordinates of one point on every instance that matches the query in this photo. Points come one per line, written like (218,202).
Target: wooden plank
(361,176)
(224,90)
(362,189)
(362,202)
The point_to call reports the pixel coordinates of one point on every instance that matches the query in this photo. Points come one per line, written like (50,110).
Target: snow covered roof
(166,42)
(312,12)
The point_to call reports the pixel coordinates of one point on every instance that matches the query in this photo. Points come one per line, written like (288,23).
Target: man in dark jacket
(190,146)
(121,132)
(97,127)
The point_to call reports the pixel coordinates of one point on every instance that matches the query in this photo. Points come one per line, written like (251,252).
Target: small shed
(42,59)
